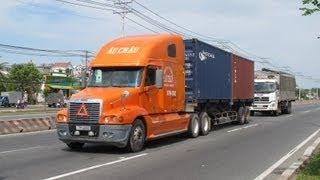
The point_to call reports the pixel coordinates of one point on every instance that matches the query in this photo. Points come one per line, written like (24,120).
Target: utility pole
(84,72)
(124,10)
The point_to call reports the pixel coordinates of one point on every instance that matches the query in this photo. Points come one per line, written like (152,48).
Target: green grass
(29,112)
(312,170)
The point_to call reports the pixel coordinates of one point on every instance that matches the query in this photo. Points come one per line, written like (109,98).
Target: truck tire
(288,109)
(75,145)
(241,115)
(252,113)
(247,115)
(137,137)
(205,124)
(194,126)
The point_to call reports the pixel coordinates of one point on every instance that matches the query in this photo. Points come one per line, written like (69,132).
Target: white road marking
(94,167)
(306,111)
(23,149)
(285,157)
(245,127)
(289,116)
(27,133)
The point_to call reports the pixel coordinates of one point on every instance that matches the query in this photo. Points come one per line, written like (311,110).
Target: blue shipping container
(208,72)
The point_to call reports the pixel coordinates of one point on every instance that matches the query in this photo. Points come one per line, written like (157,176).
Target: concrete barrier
(305,102)
(27,125)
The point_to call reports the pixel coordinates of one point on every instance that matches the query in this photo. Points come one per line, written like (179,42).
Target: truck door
(150,100)
(150,91)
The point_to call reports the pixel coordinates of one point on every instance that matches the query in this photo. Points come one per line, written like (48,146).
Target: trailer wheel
(247,115)
(241,115)
(137,137)
(205,123)
(288,109)
(75,145)
(194,126)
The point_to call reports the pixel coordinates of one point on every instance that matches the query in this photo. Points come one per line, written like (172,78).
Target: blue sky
(268,28)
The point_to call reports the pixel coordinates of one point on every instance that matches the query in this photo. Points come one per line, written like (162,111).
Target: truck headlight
(113,119)
(273,104)
(61,118)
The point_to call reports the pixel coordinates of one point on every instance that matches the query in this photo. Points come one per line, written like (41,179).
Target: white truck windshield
(115,77)
(265,87)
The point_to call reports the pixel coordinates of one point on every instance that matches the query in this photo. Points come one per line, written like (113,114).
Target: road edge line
(265,173)
(290,172)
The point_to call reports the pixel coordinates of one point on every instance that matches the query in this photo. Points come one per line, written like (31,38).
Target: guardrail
(27,125)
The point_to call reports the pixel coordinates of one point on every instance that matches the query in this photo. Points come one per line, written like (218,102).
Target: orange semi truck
(147,87)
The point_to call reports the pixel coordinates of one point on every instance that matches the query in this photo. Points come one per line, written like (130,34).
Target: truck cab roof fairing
(136,50)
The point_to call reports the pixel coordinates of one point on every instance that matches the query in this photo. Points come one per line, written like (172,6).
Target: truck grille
(261,99)
(91,109)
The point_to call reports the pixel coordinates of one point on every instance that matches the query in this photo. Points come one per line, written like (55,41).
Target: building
(59,78)
(61,69)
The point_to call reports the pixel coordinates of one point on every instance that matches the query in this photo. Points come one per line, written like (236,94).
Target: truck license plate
(83,128)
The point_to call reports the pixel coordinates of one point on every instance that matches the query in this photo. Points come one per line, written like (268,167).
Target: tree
(26,78)
(310,7)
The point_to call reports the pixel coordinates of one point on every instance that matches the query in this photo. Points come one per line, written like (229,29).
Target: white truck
(274,92)
(13,97)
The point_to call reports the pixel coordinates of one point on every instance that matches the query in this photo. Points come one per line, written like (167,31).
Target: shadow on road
(154,144)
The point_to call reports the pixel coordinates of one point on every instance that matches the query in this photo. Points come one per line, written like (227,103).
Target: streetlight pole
(299,93)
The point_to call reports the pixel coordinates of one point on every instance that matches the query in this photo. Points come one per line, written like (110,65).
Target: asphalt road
(24,116)
(228,152)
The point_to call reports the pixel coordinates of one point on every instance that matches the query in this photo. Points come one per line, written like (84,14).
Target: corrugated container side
(242,78)
(208,72)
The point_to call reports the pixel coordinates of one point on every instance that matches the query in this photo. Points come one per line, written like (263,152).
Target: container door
(243,78)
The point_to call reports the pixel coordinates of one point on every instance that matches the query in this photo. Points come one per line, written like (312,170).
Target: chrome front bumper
(115,135)
(264,107)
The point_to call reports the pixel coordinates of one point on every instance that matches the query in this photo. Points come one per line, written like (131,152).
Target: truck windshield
(265,87)
(115,77)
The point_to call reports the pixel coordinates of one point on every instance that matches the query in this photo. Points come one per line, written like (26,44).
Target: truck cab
(135,93)
(266,95)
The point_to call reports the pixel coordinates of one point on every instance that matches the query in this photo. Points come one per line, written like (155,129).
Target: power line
(83,5)
(55,11)
(42,52)
(225,44)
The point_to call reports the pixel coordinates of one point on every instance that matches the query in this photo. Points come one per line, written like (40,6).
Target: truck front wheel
(137,137)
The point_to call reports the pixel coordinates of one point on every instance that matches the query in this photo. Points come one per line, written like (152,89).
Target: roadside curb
(306,102)
(27,125)
(290,172)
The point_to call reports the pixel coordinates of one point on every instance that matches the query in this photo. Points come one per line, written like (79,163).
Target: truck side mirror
(159,78)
